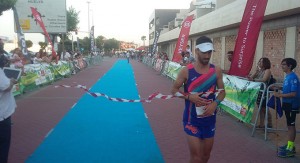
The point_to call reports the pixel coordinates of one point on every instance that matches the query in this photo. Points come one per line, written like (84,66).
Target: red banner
(38,19)
(245,46)
(183,38)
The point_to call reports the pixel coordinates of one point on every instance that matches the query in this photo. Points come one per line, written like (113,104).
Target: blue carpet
(99,130)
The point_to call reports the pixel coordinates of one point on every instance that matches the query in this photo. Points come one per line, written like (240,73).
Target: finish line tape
(149,99)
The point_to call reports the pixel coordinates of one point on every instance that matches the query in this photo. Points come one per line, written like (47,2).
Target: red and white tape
(149,99)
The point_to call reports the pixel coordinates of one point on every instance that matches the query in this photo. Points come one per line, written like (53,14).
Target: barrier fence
(41,74)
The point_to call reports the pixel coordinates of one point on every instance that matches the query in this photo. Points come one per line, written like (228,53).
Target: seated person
(46,58)
(37,58)
(17,58)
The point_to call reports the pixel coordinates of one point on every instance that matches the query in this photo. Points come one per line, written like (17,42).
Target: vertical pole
(72,44)
(89,30)
(88,16)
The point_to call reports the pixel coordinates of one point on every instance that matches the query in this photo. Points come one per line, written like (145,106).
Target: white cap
(204,47)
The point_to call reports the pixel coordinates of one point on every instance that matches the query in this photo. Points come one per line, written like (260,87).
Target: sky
(124,20)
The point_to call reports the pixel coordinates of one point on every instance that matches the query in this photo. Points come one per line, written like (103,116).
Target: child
(290,104)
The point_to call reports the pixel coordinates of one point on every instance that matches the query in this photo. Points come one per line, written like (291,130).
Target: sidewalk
(39,111)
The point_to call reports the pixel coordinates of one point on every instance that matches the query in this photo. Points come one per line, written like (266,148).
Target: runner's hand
(198,100)
(210,109)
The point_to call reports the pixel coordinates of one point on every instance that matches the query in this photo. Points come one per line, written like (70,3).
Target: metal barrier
(259,107)
(269,91)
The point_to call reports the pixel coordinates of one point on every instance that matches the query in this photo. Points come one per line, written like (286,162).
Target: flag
(38,19)
(271,104)
(92,39)
(21,36)
(183,38)
(157,33)
(245,46)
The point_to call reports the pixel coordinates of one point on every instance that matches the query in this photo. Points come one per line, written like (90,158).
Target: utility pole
(88,16)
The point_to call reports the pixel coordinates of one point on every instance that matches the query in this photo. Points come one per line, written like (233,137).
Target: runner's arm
(220,84)
(178,83)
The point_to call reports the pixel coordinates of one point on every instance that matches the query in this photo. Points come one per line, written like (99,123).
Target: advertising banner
(245,46)
(183,38)
(92,39)
(155,42)
(37,74)
(21,37)
(241,96)
(173,70)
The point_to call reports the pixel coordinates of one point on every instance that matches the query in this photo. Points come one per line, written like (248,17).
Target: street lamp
(88,15)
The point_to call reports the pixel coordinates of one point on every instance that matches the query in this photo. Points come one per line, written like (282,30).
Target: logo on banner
(187,24)
(182,38)
(23,45)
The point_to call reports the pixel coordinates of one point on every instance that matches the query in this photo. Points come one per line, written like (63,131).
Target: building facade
(279,36)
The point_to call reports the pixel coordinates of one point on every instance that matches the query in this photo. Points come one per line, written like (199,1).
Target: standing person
(290,104)
(7,108)
(188,49)
(200,76)
(263,74)
(128,56)
(229,57)
(187,58)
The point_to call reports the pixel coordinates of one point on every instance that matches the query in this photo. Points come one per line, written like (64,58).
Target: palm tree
(143,38)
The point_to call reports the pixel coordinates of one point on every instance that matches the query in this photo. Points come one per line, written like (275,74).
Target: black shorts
(290,114)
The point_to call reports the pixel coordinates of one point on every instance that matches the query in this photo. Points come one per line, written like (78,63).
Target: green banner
(40,74)
(240,97)
(173,70)
(61,69)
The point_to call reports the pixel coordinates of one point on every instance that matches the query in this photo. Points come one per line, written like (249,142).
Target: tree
(72,19)
(143,38)
(100,42)
(85,44)
(6,5)
(43,45)
(28,43)
(72,23)
(111,44)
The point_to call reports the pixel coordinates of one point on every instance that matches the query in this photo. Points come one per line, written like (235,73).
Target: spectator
(188,49)
(46,58)
(7,108)
(229,57)
(37,58)
(128,55)
(17,58)
(187,58)
(263,74)
(290,104)
(66,56)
